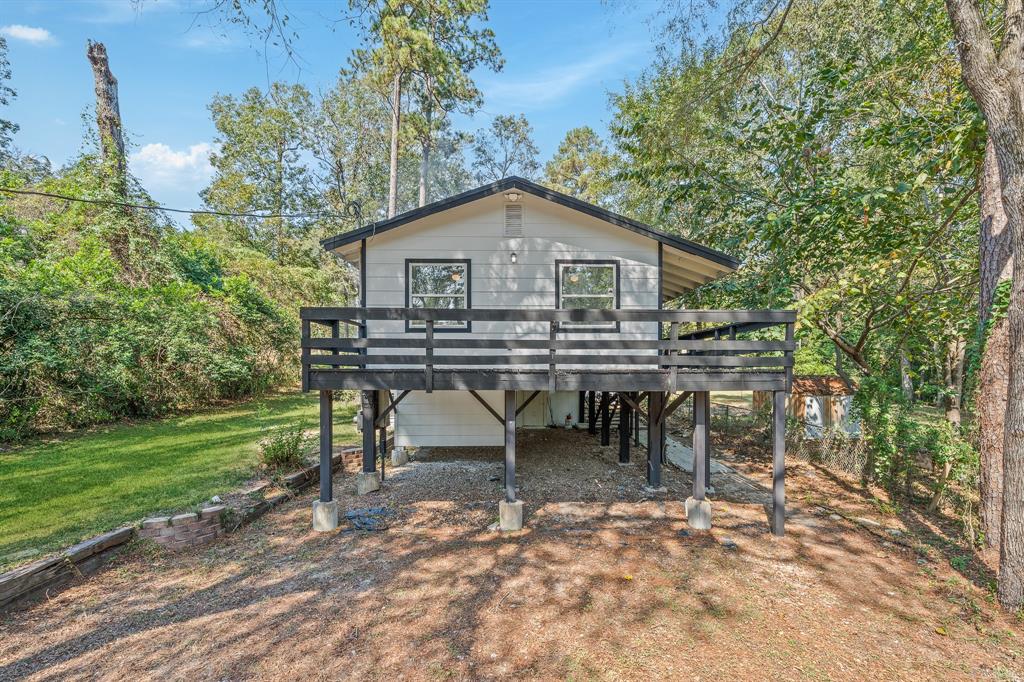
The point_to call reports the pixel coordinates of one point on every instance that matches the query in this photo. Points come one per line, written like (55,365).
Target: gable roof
(522,184)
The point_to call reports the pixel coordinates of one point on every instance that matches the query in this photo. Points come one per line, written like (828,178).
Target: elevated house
(513,306)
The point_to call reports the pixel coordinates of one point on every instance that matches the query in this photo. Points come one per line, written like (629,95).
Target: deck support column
(655,440)
(606,399)
(369,478)
(707,442)
(698,509)
(779,464)
(625,422)
(636,419)
(325,510)
(510,510)
(591,412)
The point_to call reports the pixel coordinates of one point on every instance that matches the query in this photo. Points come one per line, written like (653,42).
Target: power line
(351,208)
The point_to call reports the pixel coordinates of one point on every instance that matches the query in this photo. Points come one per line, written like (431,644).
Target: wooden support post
(606,399)
(707,439)
(700,444)
(636,420)
(779,464)
(591,413)
(625,420)
(582,407)
(510,446)
(326,445)
(369,442)
(383,431)
(655,440)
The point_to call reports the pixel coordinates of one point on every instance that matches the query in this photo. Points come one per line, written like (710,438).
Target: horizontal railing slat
(742,346)
(329,314)
(354,360)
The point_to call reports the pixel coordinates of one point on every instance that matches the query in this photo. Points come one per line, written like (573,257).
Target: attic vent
(513,220)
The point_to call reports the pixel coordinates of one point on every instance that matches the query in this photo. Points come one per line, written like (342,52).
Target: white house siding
(475,232)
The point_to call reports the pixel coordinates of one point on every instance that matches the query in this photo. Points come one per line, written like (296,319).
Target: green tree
(583,167)
(505,148)
(7,93)
(434,42)
(260,165)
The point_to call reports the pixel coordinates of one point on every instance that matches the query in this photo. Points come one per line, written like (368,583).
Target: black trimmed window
(591,284)
(438,283)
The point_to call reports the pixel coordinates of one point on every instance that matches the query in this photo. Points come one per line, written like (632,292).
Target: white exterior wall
(475,232)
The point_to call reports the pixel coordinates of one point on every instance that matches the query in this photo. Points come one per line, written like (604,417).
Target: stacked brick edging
(184,530)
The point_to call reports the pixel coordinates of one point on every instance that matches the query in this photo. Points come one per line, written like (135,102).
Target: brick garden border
(177,532)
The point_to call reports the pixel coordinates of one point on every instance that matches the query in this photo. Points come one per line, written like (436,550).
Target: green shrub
(284,447)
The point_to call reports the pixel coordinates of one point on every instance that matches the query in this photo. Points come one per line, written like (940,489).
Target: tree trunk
(428,116)
(996,81)
(425,174)
(994,375)
(108,117)
(1011,547)
(396,120)
(906,382)
(954,377)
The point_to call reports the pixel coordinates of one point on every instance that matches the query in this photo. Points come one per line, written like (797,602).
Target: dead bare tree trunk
(996,81)
(396,120)
(108,117)
(994,374)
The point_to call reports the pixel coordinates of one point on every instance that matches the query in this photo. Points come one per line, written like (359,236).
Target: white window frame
(440,326)
(560,266)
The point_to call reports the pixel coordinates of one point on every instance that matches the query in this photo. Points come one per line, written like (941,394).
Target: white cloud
(183,172)
(555,83)
(28,34)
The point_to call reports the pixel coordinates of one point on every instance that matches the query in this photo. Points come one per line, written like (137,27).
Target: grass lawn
(53,494)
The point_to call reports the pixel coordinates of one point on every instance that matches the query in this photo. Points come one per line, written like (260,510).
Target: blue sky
(561,61)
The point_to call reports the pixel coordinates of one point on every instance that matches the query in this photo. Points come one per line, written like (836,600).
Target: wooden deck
(537,349)
(649,362)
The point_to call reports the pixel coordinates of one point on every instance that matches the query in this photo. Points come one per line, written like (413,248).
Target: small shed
(821,403)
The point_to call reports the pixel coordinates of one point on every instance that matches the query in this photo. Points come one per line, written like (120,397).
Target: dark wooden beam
(510,446)
(633,404)
(326,446)
(625,420)
(700,416)
(740,346)
(655,431)
(779,464)
(605,418)
(708,445)
(394,404)
(369,442)
(490,409)
(725,317)
(527,402)
(529,380)
(592,413)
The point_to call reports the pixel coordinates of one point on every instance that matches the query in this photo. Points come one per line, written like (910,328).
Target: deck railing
(536,341)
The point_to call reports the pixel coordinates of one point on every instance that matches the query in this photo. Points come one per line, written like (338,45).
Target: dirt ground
(605,582)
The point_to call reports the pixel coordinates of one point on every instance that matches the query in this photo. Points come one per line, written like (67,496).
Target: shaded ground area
(605,583)
(58,491)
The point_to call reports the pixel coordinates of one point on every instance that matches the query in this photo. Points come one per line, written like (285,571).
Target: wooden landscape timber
(659,373)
